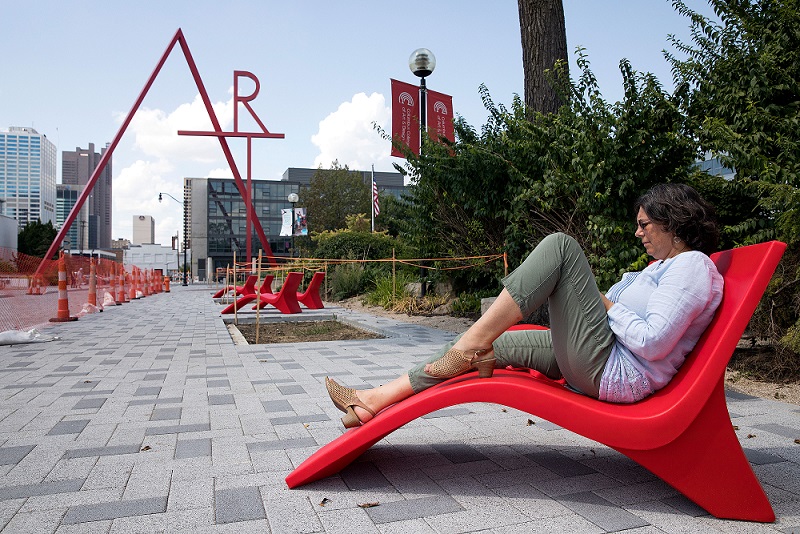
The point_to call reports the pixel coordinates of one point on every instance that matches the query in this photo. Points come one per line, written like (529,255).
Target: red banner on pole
(440,116)
(405,116)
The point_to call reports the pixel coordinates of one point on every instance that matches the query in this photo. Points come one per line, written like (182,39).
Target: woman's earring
(676,240)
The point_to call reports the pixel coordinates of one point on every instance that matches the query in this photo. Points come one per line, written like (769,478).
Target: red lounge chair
(249,297)
(682,433)
(285,299)
(248,287)
(310,297)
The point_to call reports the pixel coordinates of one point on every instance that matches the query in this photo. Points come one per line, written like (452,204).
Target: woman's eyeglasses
(643,224)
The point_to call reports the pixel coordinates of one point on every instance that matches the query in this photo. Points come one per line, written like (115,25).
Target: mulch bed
(303,332)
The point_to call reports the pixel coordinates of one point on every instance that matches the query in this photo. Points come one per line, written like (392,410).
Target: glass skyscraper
(27,175)
(67,197)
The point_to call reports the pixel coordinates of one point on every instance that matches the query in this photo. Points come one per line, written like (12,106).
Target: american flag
(376,209)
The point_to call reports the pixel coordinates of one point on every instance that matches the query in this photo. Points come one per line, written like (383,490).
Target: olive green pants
(579,341)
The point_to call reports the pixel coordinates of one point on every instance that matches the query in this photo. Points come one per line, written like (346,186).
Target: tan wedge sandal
(455,362)
(346,399)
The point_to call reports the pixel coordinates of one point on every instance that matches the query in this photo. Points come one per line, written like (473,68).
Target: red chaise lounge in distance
(310,297)
(682,433)
(246,298)
(285,299)
(248,287)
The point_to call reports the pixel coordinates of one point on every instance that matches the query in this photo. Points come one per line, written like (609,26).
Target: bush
(346,244)
(418,305)
(389,291)
(469,304)
(347,281)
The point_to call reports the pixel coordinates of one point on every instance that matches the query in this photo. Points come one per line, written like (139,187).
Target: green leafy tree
(744,71)
(35,239)
(332,195)
(578,170)
(394,216)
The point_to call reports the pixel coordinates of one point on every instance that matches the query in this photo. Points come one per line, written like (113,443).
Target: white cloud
(221,172)
(132,198)
(348,135)
(156,131)
(168,157)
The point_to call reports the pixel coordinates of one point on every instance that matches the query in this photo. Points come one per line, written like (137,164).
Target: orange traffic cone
(113,286)
(92,297)
(120,275)
(62,315)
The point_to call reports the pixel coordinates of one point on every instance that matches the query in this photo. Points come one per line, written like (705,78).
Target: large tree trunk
(544,41)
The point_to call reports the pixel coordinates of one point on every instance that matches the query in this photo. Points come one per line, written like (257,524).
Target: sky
(74,69)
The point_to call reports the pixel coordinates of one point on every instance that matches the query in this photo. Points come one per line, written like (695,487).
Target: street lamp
(185,274)
(422,62)
(177,252)
(293,198)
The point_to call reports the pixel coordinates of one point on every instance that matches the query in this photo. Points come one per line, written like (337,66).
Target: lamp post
(185,274)
(177,252)
(293,198)
(422,62)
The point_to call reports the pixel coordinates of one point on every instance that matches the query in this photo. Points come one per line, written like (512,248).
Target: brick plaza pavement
(149,418)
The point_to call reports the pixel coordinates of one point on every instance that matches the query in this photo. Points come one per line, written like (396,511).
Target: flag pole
(372,199)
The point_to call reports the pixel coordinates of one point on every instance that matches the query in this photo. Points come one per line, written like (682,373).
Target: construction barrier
(30,297)
(63,297)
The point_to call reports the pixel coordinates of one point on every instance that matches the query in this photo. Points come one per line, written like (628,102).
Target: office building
(66,198)
(144,230)
(94,220)
(216,215)
(27,175)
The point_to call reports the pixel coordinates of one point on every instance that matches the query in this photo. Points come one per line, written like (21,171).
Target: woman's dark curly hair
(679,209)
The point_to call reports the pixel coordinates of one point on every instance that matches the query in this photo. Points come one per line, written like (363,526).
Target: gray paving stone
(293,389)
(176,429)
(364,476)
(192,448)
(13,455)
(311,418)
(277,406)
(282,444)
(42,488)
(757,457)
(220,400)
(560,464)
(447,412)
(114,450)
(413,509)
(68,427)
(781,430)
(29,386)
(459,453)
(114,510)
(238,504)
(140,402)
(601,512)
(166,414)
(149,390)
(90,403)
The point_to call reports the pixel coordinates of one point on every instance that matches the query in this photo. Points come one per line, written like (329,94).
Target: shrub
(347,281)
(388,291)
(469,304)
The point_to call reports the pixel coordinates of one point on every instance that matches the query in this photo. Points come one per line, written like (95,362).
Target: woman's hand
(607,303)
